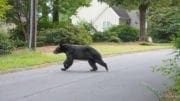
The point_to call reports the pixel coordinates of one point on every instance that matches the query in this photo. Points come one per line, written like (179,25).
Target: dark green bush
(5,43)
(125,32)
(69,34)
(17,37)
(44,23)
(105,37)
(114,39)
(99,37)
(176,41)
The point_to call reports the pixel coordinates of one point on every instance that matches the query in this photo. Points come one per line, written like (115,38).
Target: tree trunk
(56,11)
(33,25)
(142,17)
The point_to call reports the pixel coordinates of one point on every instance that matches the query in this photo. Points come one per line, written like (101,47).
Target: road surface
(129,77)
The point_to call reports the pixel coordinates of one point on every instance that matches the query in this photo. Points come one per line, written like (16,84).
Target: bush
(17,37)
(176,41)
(5,44)
(125,32)
(99,37)
(44,23)
(114,39)
(105,37)
(69,34)
(88,26)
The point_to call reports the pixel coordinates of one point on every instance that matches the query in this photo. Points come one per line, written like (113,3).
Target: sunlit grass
(112,48)
(25,58)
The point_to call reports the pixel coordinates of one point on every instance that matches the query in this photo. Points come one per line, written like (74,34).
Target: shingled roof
(121,12)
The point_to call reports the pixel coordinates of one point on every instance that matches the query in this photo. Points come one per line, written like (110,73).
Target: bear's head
(59,49)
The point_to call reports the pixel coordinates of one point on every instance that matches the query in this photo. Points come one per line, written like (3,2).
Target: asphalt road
(129,78)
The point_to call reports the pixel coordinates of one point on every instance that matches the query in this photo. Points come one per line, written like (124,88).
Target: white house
(134,15)
(101,15)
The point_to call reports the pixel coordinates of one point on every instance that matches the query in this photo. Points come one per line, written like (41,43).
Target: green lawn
(25,58)
(113,48)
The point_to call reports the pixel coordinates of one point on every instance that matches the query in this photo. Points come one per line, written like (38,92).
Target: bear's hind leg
(101,62)
(93,65)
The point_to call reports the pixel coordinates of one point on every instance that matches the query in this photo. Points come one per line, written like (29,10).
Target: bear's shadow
(81,71)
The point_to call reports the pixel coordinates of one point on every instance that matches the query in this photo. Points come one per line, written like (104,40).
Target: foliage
(88,26)
(69,7)
(114,39)
(69,34)
(5,44)
(19,15)
(17,38)
(164,23)
(3,8)
(176,41)
(125,32)
(99,37)
(44,23)
(60,9)
(105,37)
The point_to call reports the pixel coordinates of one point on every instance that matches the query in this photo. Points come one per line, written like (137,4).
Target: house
(134,15)
(101,15)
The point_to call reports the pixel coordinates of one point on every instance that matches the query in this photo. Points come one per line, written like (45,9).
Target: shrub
(5,43)
(99,37)
(114,39)
(88,26)
(105,37)
(69,34)
(17,37)
(44,23)
(176,41)
(125,32)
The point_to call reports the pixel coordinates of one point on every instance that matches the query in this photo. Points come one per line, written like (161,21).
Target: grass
(113,48)
(26,59)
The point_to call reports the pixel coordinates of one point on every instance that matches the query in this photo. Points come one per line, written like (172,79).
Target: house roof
(121,12)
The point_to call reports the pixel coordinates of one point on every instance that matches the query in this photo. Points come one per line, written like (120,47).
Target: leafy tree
(43,8)
(3,8)
(163,23)
(19,15)
(142,5)
(66,7)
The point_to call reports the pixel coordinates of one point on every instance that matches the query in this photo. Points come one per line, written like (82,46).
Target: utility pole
(33,24)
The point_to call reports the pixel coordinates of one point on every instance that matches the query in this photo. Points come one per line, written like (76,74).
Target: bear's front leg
(67,63)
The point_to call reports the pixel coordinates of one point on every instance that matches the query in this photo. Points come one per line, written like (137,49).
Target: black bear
(80,52)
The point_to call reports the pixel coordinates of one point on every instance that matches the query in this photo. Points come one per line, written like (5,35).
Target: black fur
(80,52)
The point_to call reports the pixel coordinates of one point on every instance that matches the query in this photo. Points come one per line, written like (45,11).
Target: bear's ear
(61,43)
